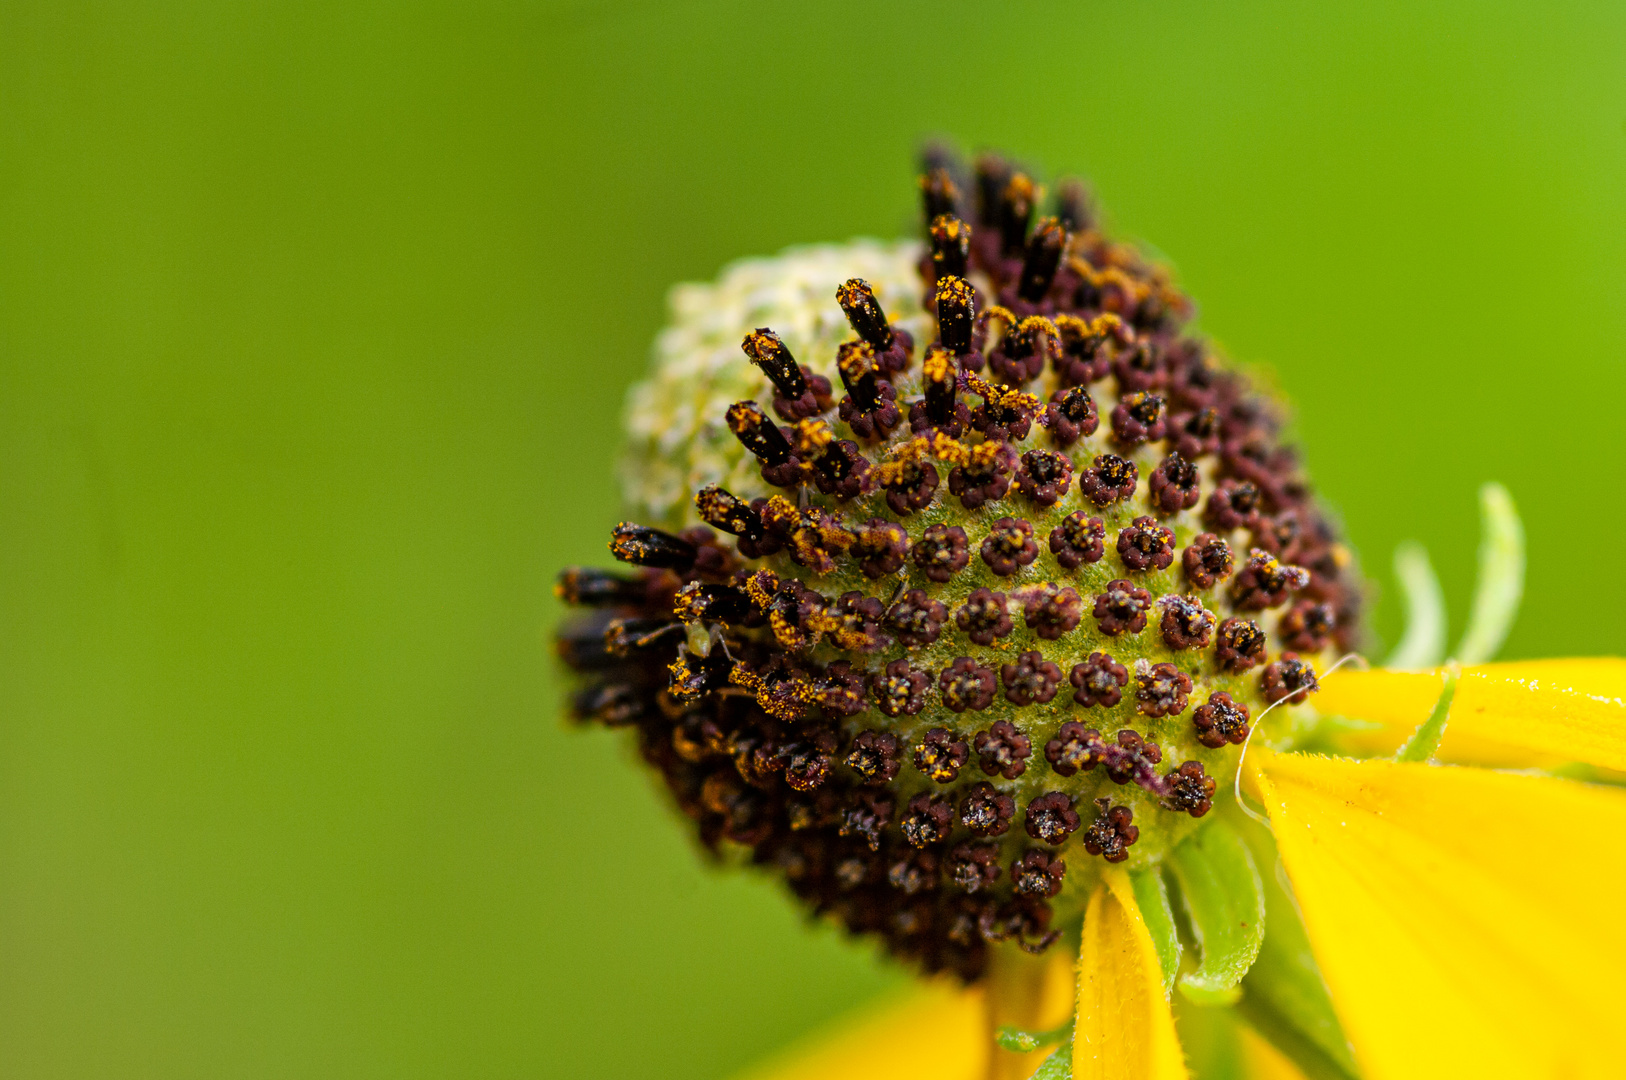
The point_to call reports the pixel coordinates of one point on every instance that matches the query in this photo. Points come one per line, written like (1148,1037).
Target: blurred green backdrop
(314,325)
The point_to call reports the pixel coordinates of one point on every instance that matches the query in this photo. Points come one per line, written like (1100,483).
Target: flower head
(964,579)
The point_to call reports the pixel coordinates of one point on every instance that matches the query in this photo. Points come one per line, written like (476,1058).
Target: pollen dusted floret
(844,639)
(1077,540)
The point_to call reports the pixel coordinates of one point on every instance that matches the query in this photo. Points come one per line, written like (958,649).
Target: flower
(996,469)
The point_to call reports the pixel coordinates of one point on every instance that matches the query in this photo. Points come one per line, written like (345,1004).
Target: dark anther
(869,408)
(1043,257)
(1031,678)
(985,475)
(1015,212)
(1111,834)
(1051,610)
(1098,680)
(808,764)
(1082,360)
(611,704)
(1146,545)
(984,616)
(967,685)
(1070,414)
(1003,750)
(1289,678)
(1130,758)
(1009,546)
(1044,476)
(1307,626)
(1078,539)
(1051,818)
(1073,206)
(867,816)
(916,619)
(643,546)
(941,552)
(1006,413)
(900,690)
(941,755)
(758,434)
(909,484)
(722,510)
(1038,873)
(1186,623)
(928,820)
(973,867)
(993,173)
(1075,748)
(1233,505)
(1108,480)
(938,193)
(880,547)
(1190,789)
(951,245)
(689,677)
(700,602)
(1174,485)
(985,811)
(854,871)
(840,690)
(585,586)
(1265,583)
(864,313)
(1122,608)
(1220,721)
(769,353)
(1239,645)
(874,757)
(916,872)
(1138,418)
(956,314)
(1208,559)
(1138,368)
(1161,690)
(854,621)
(941,375)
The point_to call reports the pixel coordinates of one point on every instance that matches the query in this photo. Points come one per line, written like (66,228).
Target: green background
(314,326)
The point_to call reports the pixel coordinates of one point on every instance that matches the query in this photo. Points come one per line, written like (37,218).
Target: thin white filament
(1236,787)
(1501,576)
(1423,644)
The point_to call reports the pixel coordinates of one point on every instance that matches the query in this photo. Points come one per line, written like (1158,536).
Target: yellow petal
(1034,993)
(1522,714)
(1125,1029)
(939,1030)
(1468,922)
(1264,1061)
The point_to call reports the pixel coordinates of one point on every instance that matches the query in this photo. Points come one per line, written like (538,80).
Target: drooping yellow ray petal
(939,1030)
(1530,713)
(1264,1061)
(1125,1029)
(1468,922)
(1034,993)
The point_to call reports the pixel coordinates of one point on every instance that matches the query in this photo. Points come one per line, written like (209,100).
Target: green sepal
(1426,739)
(1058,1066)
(1226,903)
(1021,1041)
(1284,997)
(1152,897)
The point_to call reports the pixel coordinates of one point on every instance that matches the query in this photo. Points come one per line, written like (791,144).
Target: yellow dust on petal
(937,1031)
(1125,1029)
(1262,1060)
(1034,993)
(1468,922)
(1531,713)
